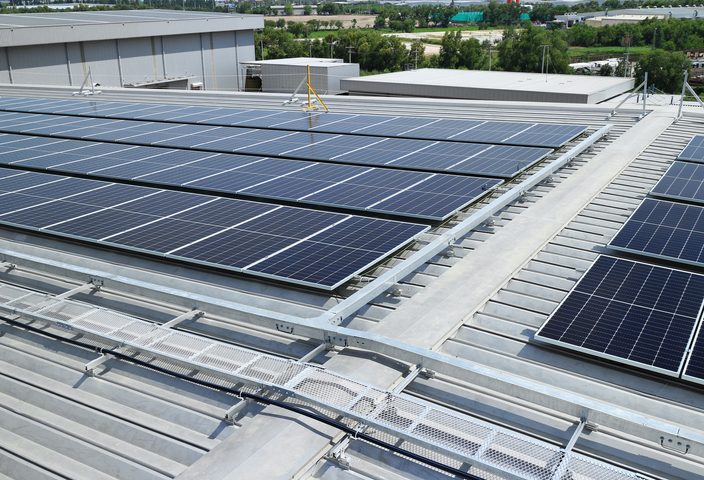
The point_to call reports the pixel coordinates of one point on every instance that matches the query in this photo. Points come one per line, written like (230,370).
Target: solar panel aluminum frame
(667,196)
(697,331)
(648,254)
(118,247)
(614,358)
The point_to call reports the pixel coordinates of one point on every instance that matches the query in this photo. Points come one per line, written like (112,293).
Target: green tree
(471,54)
(307,10)
(523,51)
(665,69)
(288,9)
(450,50)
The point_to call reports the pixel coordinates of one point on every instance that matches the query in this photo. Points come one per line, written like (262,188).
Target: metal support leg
(190,315)
(75,291)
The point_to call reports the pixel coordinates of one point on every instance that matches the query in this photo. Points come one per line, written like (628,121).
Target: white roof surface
(481,84)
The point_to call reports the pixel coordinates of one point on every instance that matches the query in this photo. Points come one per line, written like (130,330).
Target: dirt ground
(481,35)
(363,21)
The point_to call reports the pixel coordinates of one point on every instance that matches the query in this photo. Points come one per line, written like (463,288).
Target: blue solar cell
(225,212)
(229,182)
(387,151)
(178,175)
(10,202)
(441,129)
(273,167)
(354,123)
(219,161)
(630,312)
(292,222)
(130,170)
(163,235)
(63,187)
(235,248)
(664,229)
(272,117)
(324,259)
(24,180)
(316,264)
(112,195)
(164,202)
(547,135)
(102,224)
(46,214)
(287,188)
(328,172)
(396,127)
(422,204)
(389,179)
(331,149)
(351,195)
(314,121)
(492,132)
(380,235)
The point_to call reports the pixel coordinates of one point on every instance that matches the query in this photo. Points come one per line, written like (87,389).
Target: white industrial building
(155,48)
(490,85)
(426,367)
(284,75)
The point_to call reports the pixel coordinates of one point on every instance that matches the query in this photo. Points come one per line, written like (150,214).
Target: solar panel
(394,192)
(510,133)
(682,181)
(662,229)
(694,151)
(630,312)
(241,236)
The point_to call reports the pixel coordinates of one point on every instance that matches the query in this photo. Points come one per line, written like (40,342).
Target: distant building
(619,19)
(285,75)
(297,9)
(148,48)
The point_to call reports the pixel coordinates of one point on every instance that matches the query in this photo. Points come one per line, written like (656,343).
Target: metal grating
(500,451)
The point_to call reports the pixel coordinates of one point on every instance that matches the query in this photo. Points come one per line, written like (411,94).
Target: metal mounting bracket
(675,444)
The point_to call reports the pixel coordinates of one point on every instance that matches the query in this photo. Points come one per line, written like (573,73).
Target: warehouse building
(151,48)
(205,285)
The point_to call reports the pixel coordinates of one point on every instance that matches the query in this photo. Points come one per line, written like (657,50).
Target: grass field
(575,52)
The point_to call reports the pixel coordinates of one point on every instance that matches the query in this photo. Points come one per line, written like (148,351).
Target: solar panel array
(509,133)
(306,247)
(404,167)
(640,314)
(397,192)
(631,312)
(465,158)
